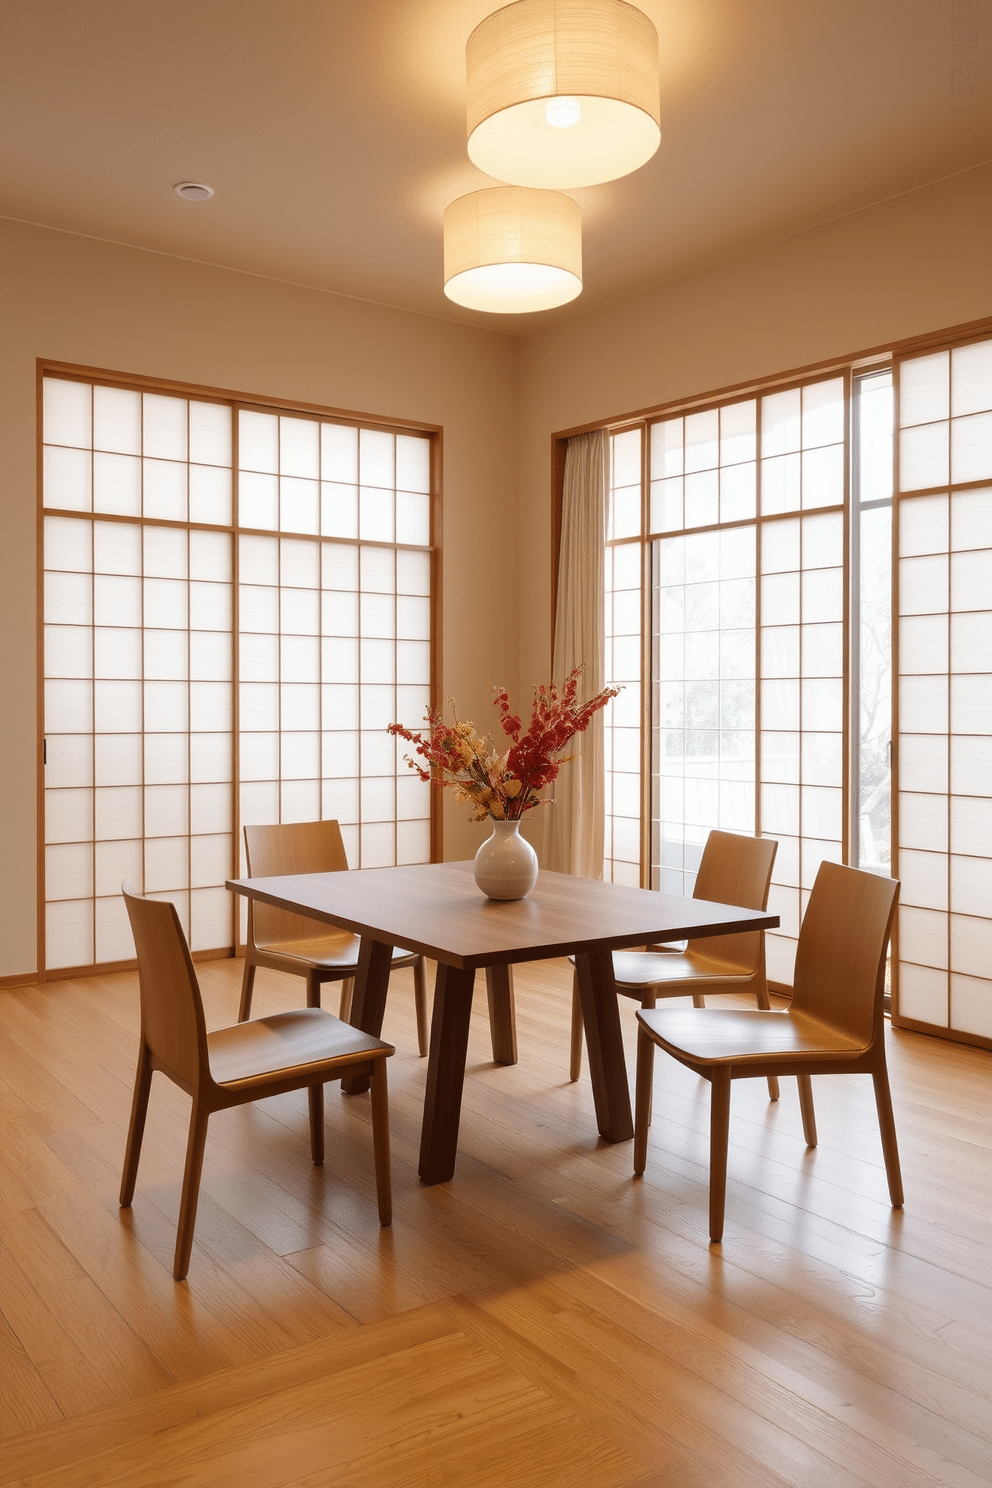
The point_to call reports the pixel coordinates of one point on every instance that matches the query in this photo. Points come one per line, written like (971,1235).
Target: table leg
(502,1013)
(445,1072)
(601,1017)
(368,1000)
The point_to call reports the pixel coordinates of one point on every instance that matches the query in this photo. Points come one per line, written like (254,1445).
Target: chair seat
(330,952)
(741,1036)
(642,969)
(248,1052)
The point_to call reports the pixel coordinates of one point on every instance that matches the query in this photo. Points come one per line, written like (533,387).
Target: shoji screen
(138,666)
(622,729)
(702,474)
(334,639)
(802,646)
(222,635)
(944,697)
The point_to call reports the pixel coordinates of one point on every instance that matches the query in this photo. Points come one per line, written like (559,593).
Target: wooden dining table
(436,909)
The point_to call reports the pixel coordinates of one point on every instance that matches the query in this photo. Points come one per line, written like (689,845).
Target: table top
(436,909)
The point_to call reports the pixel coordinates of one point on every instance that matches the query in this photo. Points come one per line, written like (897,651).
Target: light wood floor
(542,1319)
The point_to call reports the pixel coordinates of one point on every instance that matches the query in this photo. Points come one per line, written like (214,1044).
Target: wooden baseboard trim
(104,968)
(23,979)
(949,1035)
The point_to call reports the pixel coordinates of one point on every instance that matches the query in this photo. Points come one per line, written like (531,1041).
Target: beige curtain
(573,828)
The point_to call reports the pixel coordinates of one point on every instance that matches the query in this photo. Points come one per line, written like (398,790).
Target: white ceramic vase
(506,864)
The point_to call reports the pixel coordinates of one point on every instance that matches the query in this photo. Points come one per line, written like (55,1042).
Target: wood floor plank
(25,1399)
(449,1394)
(543,1302)
(832,1365)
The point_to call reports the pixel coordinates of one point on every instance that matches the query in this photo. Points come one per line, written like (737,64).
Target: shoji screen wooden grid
(622,729)
(803,646)
(334,639)
(168,717)
(944,697)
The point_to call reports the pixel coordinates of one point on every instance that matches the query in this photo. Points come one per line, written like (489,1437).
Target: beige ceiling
(333,131)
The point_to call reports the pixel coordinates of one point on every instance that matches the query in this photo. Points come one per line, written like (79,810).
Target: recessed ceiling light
(193,190)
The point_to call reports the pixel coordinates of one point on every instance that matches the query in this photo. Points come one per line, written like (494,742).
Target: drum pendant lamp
(512,250)
(563,93)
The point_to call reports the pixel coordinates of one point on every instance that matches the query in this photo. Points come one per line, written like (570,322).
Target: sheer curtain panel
(574,823)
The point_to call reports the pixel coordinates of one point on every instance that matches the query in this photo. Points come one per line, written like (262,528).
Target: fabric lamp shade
(509,250)
(563,93)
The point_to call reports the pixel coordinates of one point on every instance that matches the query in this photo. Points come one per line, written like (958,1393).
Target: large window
(750,602)
(227,636)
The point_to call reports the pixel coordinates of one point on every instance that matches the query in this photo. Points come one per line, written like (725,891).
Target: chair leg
(315,1100)
(765,1002)
(136,1130)
(650,1000)
(719,1142)
(313,987)
(344,1009)
(575,1055)
(887,1129)
(642,1099)
(806,1107)
(380,1142)
(420,1005)
(247,987)
(191,1189)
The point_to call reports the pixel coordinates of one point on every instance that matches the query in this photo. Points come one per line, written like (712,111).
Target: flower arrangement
(505,785)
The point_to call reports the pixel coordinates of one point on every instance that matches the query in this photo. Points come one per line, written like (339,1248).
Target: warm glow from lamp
(510,250)
(563,93)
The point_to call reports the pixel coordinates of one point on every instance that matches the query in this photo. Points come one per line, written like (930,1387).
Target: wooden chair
(732,870)
(306,1047)
(834,1025)
(288,942)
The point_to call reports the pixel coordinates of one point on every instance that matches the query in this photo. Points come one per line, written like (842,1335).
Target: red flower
(505,786)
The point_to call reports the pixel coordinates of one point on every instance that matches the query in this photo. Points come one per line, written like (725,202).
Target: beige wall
(76,300)
(915,264)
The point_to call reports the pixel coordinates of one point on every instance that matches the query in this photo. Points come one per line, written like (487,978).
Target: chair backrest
(840,959)
(735,870)
(294,847)
(172,1021)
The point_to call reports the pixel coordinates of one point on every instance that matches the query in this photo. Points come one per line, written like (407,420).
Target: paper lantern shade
(511,250)
(563,93)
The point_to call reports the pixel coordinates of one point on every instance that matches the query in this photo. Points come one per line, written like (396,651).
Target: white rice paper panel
(119,862)
(210,807)
(69,933)
(971,1005)
(117,420)
(924,388)
(923,994)
(210,757)
(210,433)
(69,815)
(211,919)
(67,412)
